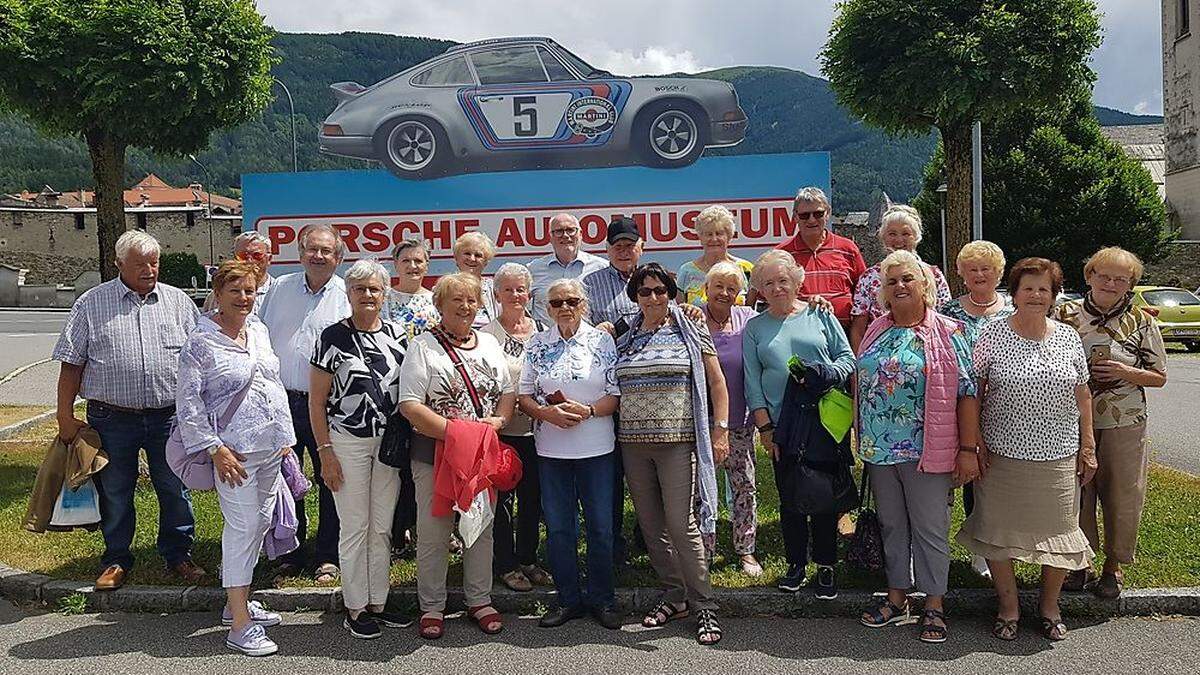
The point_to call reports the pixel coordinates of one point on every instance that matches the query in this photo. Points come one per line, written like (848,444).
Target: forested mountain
(789,111)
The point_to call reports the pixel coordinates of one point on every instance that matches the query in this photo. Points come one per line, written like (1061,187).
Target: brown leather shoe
(189,571)
(112,578)
(1109,586)
(1078,579)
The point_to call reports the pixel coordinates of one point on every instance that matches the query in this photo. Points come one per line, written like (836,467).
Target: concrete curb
(24,587)
(14,429)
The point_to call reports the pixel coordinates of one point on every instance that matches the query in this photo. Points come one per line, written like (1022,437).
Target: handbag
(866,546)
(510,469)
(396,443)
(195,469)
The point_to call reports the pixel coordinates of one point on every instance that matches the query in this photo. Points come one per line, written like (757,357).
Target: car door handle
(484,99)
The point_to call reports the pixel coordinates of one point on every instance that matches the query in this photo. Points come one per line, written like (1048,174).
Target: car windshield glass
(1171,298)
(452,72)
(508,65)
(580,65)
(554,68)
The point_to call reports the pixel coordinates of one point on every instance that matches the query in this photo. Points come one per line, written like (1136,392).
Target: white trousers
(247,510)
(365,503)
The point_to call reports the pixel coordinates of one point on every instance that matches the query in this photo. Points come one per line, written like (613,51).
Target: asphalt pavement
(1174,415)
(34,642)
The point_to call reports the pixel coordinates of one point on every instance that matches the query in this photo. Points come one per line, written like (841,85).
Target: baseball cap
(623,228)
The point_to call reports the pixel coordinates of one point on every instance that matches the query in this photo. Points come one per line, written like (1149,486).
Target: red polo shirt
(832,270)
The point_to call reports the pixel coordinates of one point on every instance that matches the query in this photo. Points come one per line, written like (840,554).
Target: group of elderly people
(599,374)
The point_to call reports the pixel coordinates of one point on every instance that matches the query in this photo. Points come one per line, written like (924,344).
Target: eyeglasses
(256,256)
(1119,281)
(565,233)
(647,291)
(556,303)
(806,215)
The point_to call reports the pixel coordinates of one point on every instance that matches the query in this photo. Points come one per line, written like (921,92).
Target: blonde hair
(234,270)
(479,239)
(901,213)
(726,269)
(714,217)
(910,260)
(982,250)
(452,282)
(776,257)
(1117,257)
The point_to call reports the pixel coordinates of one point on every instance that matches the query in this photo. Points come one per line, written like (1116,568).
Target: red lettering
(465,225)
(661,232)
(755,229)
(509,233)
(783,221)
(594,228)
(438,232)
(280,235)
(689,225)
(349,234)
(531,234)
(404,228)
(376,235)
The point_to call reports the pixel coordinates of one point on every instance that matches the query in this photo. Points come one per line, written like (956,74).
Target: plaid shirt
(606,296)
(128,345)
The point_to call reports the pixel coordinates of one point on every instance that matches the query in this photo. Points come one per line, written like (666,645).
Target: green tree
(1057,188)
(156,74)
(179,268)
(908,65)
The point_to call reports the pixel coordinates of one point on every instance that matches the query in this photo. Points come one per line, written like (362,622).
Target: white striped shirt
(128,345)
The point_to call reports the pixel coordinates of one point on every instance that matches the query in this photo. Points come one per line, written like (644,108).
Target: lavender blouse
(728,342)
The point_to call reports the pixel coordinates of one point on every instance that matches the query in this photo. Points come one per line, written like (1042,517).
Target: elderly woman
(568,386)
(409,303)
(916,409)
(517,567)
(228,371)
(725,283)
(1036,448)
(900,230)
(790,328)
(472,253)
(353,390)
(666,368)
(452,372)
(1126,355)
(715,228)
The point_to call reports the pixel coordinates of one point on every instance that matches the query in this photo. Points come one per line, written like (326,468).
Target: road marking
(22,369)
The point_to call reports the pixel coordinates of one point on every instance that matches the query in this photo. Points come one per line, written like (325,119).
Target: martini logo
(591,116)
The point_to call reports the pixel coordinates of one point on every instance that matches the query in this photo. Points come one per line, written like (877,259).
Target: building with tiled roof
(1144,142)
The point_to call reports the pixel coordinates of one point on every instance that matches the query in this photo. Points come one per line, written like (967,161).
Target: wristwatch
(212,451)
(722,424)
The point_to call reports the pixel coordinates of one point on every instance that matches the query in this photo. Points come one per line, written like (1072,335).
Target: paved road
(1174,419)
(27,336)
(310,643)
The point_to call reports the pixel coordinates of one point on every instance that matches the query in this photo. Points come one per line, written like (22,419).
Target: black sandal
(931,632)
(1054,629)
(664,614)
(707,627)
(1005,629)
(897,616)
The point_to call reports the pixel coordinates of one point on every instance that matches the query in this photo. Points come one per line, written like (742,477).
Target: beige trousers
(433,558)
(1120,490)
(365,506)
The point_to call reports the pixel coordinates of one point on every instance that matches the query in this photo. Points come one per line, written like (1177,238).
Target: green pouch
(837,413)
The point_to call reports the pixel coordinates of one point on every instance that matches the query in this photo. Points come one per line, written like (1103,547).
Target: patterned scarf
(1103,317)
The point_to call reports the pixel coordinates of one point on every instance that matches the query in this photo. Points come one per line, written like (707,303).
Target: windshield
(581,65)
(1173,297)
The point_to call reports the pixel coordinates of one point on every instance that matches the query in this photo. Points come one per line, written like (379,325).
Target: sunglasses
(647,291)
(806,215)
(256,256)
(556,303)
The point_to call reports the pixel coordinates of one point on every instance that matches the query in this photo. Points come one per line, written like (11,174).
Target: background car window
(454,71)
(509,65)
(555,69)
(1170,298)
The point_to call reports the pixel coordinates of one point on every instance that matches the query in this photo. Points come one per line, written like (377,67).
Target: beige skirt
(1028,511)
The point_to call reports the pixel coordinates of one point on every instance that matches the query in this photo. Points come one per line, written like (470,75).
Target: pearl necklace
(984,305)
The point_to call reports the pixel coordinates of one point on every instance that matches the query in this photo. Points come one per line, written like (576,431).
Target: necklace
(984,305)
(458,340)
(907,325)
(241,335)
(720,324)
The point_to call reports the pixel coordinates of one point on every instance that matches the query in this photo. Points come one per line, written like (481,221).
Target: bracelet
(768,427)
(324,445)
(591,412)
(967,448)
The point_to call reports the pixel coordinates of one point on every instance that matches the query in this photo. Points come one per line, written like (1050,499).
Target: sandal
(750,566)
(708,631)
(1054,629)
(432,625)
(931,632)
(326,574)
(516,581)
(665,613)
(537,575)
(487,618)
(895,616)
(1005,629)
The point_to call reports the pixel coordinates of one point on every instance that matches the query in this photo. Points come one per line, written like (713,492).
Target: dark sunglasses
(647,291)
(805,215)
(556,303)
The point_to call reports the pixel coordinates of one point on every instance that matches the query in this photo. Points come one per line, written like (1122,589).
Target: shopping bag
(475,519)
(77,508)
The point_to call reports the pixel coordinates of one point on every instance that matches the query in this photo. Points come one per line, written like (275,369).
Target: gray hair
(136,240)
(776,257)
(512,270)
(810,194)
(716,217)
(339,246)
(250,237)
(901,213)
(363,270)
(569,283)
(912,261)
(726,269)
(406,244)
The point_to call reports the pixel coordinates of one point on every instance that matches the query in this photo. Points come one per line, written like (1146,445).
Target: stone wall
(1181,267)
(1181,116)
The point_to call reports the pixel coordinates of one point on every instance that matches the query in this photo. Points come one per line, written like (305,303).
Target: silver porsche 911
(527,103)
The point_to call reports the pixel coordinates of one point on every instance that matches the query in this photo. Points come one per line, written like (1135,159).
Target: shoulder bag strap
(462,371)
(236,401)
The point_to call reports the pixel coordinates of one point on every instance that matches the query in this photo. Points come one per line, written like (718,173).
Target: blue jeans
(567,484)
(325,548)
(122,434)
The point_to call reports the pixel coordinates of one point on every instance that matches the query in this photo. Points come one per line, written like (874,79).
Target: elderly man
(296,309)
(252,247)
(610,309)
(832,263)
(569,261)
(120,350)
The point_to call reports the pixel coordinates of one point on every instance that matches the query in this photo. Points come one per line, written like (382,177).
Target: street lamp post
(292,119)
(207,187)
(941,190)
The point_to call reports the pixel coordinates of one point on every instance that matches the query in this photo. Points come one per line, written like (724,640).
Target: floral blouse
(891,394)
(413,311)
(691,278)
(866,293)
(974,324)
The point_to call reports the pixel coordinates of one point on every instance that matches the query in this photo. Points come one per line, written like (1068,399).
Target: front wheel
(413,147)
(671,134)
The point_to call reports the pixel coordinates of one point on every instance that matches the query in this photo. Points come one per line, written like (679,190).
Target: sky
(635,37)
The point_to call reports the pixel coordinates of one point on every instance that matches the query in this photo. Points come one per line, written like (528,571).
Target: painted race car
(526,103)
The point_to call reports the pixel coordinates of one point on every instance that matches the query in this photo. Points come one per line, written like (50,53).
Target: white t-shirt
(584,370)
(1029,409)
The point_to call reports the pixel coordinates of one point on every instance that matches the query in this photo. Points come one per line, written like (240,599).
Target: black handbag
(866,547)
(396,443)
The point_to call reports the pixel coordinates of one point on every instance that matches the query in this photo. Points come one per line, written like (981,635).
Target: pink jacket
(940,447)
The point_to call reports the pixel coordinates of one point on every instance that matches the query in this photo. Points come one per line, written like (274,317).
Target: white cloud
(651,61)
(1142,108)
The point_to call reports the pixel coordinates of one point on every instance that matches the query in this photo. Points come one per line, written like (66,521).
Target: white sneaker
(253,642)
(979,564)
(258,615)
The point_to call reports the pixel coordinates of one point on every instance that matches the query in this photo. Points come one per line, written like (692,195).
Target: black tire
(670,134)
(413,148)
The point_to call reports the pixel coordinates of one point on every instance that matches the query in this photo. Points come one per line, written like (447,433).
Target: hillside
(789,111)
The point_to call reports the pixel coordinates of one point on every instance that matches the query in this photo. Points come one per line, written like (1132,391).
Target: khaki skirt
(1028,511)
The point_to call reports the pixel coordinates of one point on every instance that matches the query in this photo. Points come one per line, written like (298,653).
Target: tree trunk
(956,142)
(108,168)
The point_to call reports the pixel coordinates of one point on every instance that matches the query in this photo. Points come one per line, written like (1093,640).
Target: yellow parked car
(1177,311)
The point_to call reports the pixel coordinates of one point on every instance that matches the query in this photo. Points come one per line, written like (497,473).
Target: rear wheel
(671,134)
(413,147)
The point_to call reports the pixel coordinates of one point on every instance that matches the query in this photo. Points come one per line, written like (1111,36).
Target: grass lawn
(1168,550)
(11,414)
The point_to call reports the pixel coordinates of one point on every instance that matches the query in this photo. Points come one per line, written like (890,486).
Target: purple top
(729,352)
